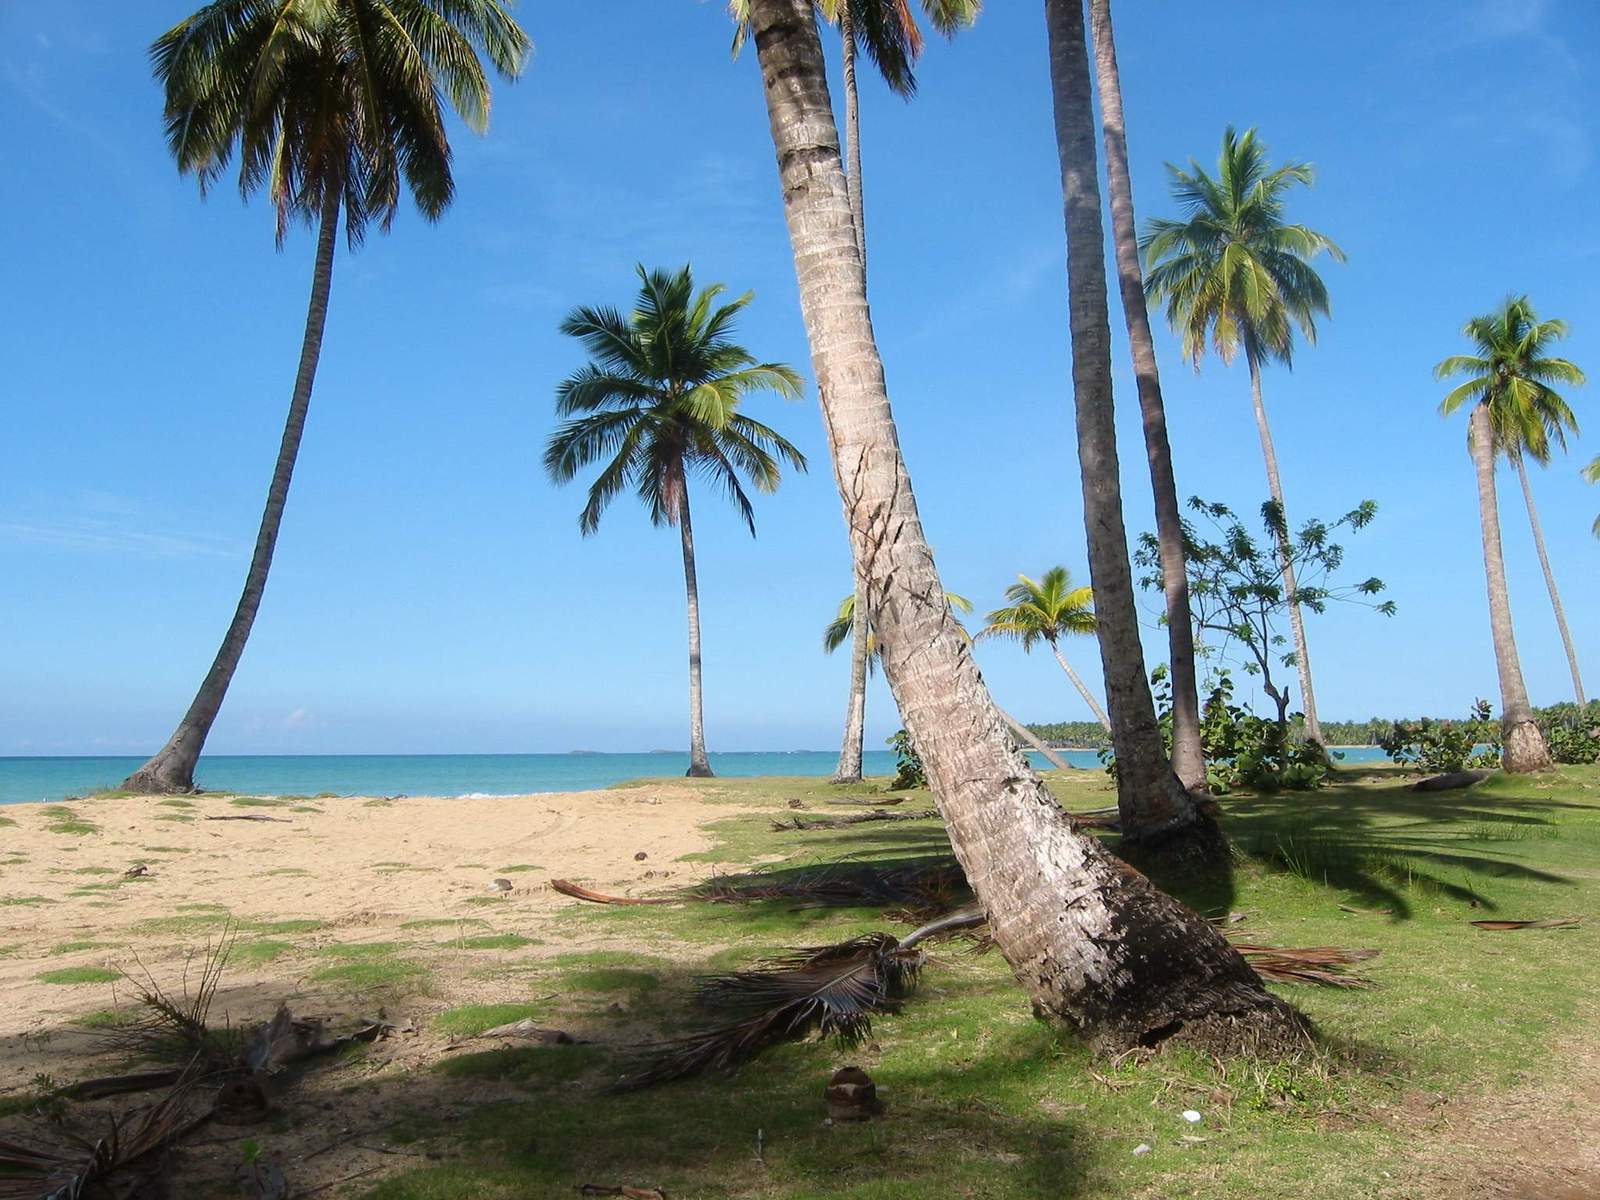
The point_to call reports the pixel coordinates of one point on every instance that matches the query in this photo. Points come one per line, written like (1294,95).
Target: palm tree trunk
(172,768)
(1525,749)
(855,720)
(1033,741)
(852,136)
(1155,808)
(1095,944)
(1550,583)
(1188,758)
(1302,654)
(699,764)
(1083,688)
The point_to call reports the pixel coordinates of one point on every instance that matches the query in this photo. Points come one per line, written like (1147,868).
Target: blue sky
(431,591)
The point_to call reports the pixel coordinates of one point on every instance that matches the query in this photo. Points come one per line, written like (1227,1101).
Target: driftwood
(841,822)
(1548,923)
(862,801)
(1450,781)
(525,1028)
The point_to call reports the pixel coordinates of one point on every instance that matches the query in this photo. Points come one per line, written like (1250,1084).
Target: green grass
(78,947)
(495,941)
(512,870)
(481,901)
(446,923)
(360,950)
(69,975)
(59,819)
(23,901)
(253,954)
(107,1018)
(174,803)
(4,821)
(469,1020)
(985,1101)
(286,871)
(259,802)
(374,975)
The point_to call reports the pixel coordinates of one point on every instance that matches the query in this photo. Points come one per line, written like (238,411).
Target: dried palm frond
(833,990)
(1325,965)
(578,892)
(174,1028)
(61,1164)
(1546,923)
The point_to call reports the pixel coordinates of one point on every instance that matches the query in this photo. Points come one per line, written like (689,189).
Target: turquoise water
(32,779)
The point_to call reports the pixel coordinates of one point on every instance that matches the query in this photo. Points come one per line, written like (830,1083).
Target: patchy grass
(374,975)
(480,901)
(59,819)
(286,871)
(175,803)
(985,1101)
(259,802)
(447,923)
(495,941)
(361,950)
(254,954)
(469,1020)
(72,975)
(4,821)
(514,869)
(306,808)
(23,901)
(77,947)
(107,1018)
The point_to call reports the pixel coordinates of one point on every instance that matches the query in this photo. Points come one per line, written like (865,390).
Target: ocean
(24,780)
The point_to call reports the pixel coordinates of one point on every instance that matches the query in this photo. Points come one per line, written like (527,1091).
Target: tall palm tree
(1235,273)
(658,403)
(1046,611)
(1188,757)
(842,629)
(1500,386)
(1591,474)
(1530,418)
(888,32)
(1157,813)
(1095,945)
(334,106)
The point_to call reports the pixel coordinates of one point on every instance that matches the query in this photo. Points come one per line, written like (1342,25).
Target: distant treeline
(1088,735)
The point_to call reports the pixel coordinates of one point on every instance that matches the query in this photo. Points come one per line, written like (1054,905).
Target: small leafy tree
(1239,591)
(1437,746)
(909,772)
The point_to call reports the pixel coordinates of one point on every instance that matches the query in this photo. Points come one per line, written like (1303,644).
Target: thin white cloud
(94,535)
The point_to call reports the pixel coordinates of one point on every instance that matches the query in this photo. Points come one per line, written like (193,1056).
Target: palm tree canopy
(837,631)
(1042,610)
(885,30)
(332,96)
(1233,272)
(1592,474)
(659,402)
(1512,373)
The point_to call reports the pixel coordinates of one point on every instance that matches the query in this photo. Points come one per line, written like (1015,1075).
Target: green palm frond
(1042,610)
(332,98)
(659,403)
(1512,374)
(1232,273)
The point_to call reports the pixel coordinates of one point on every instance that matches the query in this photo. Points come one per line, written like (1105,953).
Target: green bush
(1439,747)
(909,772)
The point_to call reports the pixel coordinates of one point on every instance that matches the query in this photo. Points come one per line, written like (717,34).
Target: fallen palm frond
(174,1028)
(1547,923)
(61,1164)
(578,892)
(925,884)
(1324,965)
(840,822)
(833,990)
(863,801)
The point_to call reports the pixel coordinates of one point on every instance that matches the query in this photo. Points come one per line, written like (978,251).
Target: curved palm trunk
(1524,744)
(1154,806)
(855,719)
(1550,582)
(1188,758)
(1302,654)
(699,764)
(1093,942)
(1032,740)
(172,768)
(1083,689)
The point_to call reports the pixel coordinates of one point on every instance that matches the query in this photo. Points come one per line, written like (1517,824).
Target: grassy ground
(985,1101)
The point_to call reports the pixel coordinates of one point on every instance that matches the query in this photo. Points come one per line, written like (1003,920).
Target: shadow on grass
(1378,843)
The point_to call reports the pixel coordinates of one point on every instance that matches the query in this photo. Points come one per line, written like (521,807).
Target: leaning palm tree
(888,32)
(1095,945)
(1047,610)
(333,106)
(1233,272)
(659,403)
(1188,757)
(1531,418)
(1499,398)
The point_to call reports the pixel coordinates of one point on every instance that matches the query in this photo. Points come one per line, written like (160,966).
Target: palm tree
(1158,815)
(1188,757)
(842,629)
(1046,611)
(1591,474)
(1528,416)
(1500,385)
(1233,272)
(658,403)
(334,107)
(888,32)
(1094,944)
